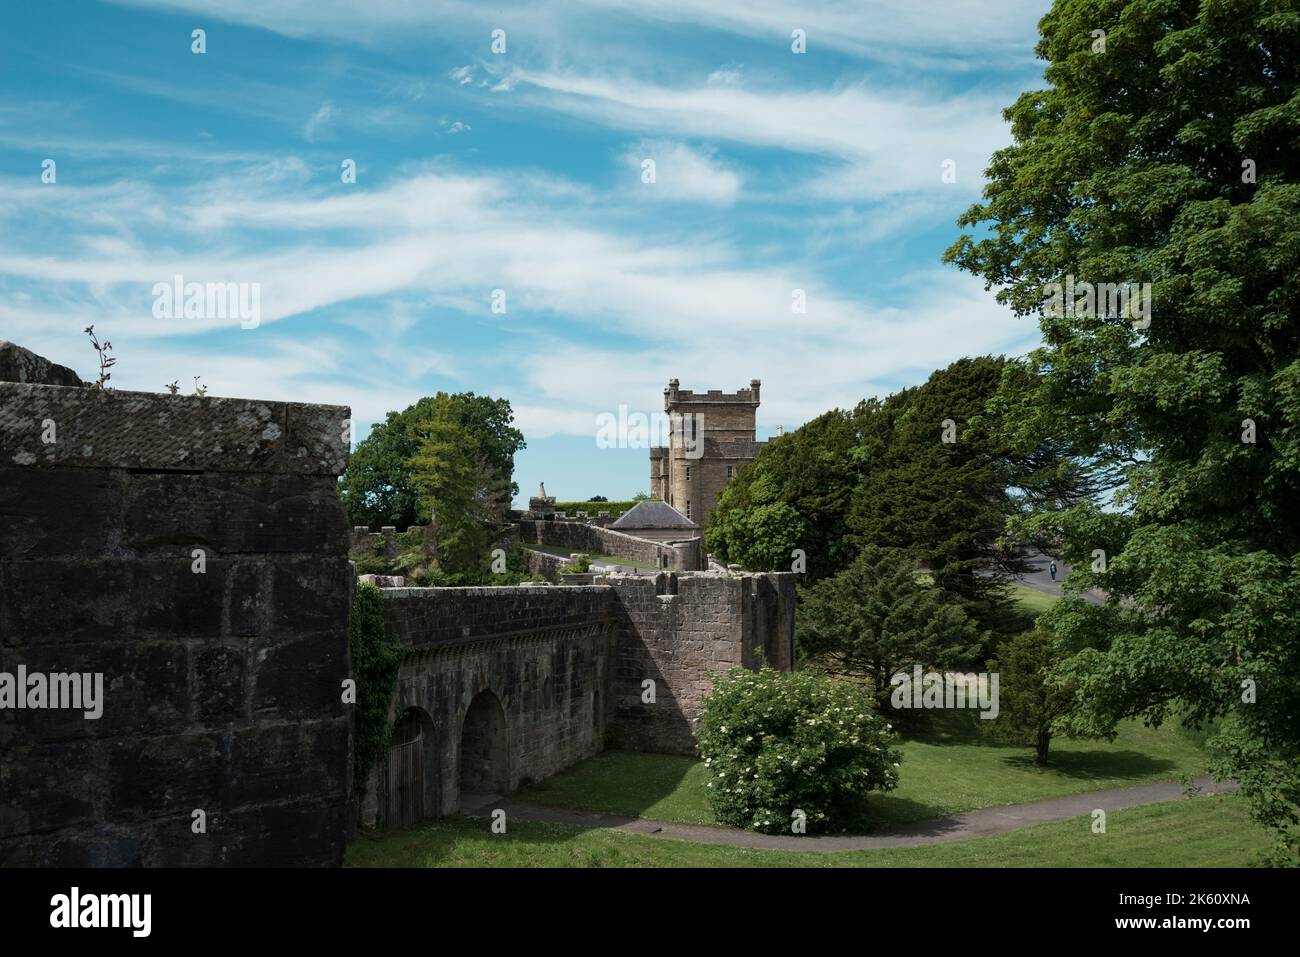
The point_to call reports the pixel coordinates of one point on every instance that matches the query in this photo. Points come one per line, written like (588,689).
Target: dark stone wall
(222,689)
(567,663)
(675,630)
(541,654)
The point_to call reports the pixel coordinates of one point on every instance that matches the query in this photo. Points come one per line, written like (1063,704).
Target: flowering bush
(775,743)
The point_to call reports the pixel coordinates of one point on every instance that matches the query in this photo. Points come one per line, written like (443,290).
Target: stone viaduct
(502,686)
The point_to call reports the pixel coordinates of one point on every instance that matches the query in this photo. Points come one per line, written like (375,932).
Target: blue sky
(519,171)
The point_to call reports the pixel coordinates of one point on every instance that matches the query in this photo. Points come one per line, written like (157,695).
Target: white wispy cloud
(884,29)
(681,173)
(883,141)
(318,121)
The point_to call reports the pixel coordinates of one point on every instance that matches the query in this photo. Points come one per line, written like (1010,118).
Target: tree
(1032,699)
(459,488)
(878,618)
(377,486)
(761,538)
(939,484)
(1168,156)
(812,472)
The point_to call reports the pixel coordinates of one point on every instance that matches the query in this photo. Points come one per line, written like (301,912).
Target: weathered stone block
(45,787)
(231,514)
(299,678)
(57,514)
(22,365)
(168,774)
(107,599)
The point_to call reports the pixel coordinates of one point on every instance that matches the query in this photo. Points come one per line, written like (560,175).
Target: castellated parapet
(711,435)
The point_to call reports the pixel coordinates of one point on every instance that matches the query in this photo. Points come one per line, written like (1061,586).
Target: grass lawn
(592,556)
(1030,600)
(952,767)
(1208,831)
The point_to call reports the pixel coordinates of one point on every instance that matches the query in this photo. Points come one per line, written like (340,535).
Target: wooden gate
(406,773)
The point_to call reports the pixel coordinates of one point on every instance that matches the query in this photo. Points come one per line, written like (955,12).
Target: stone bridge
(502,686)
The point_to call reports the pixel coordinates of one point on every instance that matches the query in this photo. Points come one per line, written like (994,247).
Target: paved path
(1040,578)
(957,827)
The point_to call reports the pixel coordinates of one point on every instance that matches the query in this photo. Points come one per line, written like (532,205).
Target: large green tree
(459,488)
(795,494)
(877,617)
(377,485)
(1033,701)
(940,483)
(1166,150)
(927,470)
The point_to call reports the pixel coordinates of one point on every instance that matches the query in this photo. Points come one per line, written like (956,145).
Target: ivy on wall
(376,657)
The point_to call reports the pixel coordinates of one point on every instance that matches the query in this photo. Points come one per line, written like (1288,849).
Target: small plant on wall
(106,361)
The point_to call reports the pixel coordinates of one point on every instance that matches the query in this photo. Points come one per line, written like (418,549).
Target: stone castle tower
(710,435)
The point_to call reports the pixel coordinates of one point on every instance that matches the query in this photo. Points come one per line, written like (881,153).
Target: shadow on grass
(1095,764)
(458,841)
(622,783)
(945,726)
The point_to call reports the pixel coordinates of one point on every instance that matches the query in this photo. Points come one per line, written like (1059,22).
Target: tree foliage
(811,473)
(376,658)
(1032,698)
(377,486)
(878,617)
(461,488)
(882,476)
(1170,158)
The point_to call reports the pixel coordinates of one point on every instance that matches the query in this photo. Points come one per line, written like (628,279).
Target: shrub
(776,742)
(615,509)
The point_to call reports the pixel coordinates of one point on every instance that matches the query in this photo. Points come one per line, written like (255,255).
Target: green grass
(951,768)
(1211,831)
(661,787)
(592,556)
(1030,600)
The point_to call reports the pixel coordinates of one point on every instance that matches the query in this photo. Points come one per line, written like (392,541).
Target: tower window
(688,473)
(728,471)
(688,508)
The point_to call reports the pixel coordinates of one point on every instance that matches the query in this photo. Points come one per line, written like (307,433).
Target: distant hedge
(594,508)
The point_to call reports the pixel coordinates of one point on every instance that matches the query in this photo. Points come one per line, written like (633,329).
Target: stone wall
(192,551)
(675,630)
(548,566)
(581,537)
(537,656)
(559,666)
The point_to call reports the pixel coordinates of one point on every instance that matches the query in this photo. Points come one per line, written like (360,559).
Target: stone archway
(484,750)
(411,770)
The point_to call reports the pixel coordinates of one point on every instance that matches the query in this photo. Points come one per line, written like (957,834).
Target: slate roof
(653,514)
